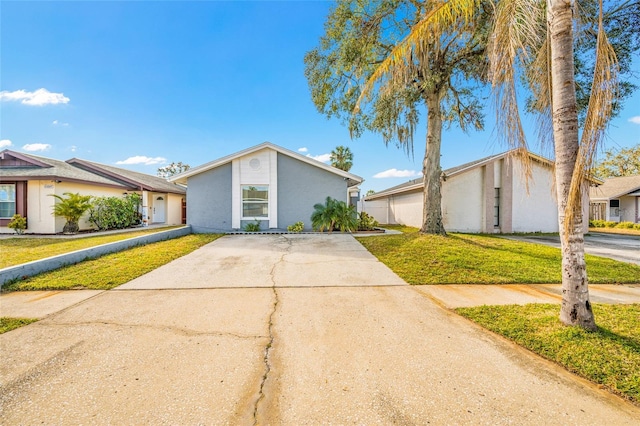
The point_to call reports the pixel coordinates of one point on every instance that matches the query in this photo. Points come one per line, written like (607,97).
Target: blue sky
(141,84)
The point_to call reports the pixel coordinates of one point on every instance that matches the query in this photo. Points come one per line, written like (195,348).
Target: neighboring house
(267,183)
(616,200)
(27,181)
(485,196)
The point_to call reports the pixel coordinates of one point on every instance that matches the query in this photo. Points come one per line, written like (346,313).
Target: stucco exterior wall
(300,186)
(209,200)
(536,211)
(378,209)
(174,209)
(406,209)
(462,202)
(628,209)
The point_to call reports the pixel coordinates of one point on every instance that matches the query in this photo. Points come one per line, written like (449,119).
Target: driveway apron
(280,329)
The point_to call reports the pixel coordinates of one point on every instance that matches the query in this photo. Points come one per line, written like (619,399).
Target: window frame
(15,199)
(244,201)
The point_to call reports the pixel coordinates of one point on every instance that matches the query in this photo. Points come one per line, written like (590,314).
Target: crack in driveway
(269,346)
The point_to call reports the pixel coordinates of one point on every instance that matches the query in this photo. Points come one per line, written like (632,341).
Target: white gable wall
(536,211)
(256,168)
(462,202)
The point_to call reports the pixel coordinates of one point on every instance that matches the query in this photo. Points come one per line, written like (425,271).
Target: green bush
(296,227)
(334,214)
(366,222)
(71,208)
(625,225)
(637,226)
(610,224)
(18,224)
(115,213)
(252,227)
(597,223)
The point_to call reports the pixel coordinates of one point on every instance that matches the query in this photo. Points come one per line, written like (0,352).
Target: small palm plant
(334,214)
(71,208)
(323,216)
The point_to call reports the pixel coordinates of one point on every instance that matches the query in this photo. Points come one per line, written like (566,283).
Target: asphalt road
(625,248)
(282,330)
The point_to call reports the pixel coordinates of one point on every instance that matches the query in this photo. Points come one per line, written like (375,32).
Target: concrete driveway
(291,329)
(625,248)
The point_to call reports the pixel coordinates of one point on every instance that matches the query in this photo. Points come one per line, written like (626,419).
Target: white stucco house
(27,181)
(616,200)
(489,195)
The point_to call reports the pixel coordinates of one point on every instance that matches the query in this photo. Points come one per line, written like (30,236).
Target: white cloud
(322,157)
(36,147)
(303,149)
(141,159)
(38,98)
(635,120)
(73,148)
(395,173)
(5,143)
(59,123)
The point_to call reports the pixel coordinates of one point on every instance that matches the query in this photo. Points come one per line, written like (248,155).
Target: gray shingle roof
(615,187)
(56,170)
(129,177)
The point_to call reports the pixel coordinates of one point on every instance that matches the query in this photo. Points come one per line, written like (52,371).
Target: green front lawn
(114,269)
(483,259)
(609,356)
(26,249)
(8,324)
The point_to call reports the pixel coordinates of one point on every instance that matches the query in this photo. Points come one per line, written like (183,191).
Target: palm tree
(539,38)
(323,216)
(71,208)
(342,158)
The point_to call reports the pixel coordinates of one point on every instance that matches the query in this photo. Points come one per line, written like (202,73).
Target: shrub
(597,223)
(71,208)
(252,227)
(610,224)
(366,222)
(334,214)
(115,213)
(637,226)
(625,225)
(18,224)
(296,227)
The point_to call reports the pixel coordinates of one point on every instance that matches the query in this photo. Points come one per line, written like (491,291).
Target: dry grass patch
(8,324)
(112,270)
(26,249)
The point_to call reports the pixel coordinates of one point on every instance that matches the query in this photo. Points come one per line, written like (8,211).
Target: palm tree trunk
(576,308)
(432,211)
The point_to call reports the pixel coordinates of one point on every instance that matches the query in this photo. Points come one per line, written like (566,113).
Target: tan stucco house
(489,195)
(27,181)
(616,200)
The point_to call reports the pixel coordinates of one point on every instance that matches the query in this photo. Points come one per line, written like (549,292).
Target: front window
(255,201)
(7,200)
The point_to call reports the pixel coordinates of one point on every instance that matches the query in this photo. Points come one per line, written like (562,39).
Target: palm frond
(599,112)
(517,38)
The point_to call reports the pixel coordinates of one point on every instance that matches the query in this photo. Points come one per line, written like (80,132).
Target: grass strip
(112,270)
(25,249)
(609,356)
(8,324)
(483,259)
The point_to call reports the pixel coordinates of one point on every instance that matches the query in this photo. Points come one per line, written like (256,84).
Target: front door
(158,209)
